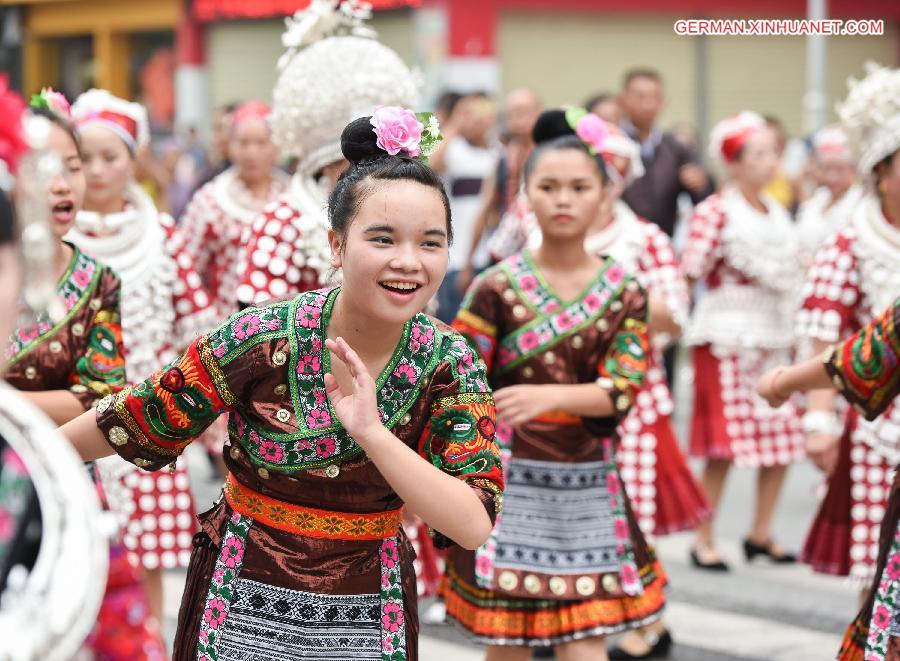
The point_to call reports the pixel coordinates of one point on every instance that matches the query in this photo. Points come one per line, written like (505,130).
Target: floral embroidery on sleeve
(864,367)
(101,369)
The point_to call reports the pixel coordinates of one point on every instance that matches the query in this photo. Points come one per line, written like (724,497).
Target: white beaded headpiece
(871,116)
(334,71)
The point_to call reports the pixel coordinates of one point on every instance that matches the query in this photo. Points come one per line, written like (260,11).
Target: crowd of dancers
(408,406)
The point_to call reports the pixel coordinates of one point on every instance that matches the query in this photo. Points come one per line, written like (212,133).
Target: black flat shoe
(751,550)
(660,646)
(718,565)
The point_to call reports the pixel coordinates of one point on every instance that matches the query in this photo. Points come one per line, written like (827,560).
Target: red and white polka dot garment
(284,255)
(851,276)
(730,421)
(209,237)
(664,495)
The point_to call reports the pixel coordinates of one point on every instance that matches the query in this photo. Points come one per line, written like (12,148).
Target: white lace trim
(235,200)
(762,246)
(136,253)
(310,198)
(815,222)
(877,251)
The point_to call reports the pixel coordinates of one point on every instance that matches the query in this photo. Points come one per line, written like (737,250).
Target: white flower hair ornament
(322,19)
(400,130)
(871,116)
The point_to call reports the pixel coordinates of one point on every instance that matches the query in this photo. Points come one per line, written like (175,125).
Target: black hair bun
(550,125)
(358,141)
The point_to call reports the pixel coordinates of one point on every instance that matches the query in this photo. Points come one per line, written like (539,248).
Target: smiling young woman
(307,541)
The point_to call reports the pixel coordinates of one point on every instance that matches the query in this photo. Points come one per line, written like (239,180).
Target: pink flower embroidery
(881,617)
(397,129)
(316,344)
(82,277)
(308,365)
(592,130)
(325,447)
(615,274)
(245,327)
(271,451)
(422,334)
(219,576)
(629,575)
(308,316)
(235,517)
(389,554)
(527,282)
(465,363)
(232,552)
(318,418)
(528,341)
(621,529)
(319,397)
(405,373)
(216,612)
(591,303)
(387,644)
(28,333)
(483,564)
(272,324)
(612,483)
(392,617)
(892,568)
(219,350)
(564,321)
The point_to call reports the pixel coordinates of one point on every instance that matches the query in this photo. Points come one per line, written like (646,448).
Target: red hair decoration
(250,111)
(12,139)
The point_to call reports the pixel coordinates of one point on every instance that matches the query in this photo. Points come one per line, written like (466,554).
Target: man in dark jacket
(670,167)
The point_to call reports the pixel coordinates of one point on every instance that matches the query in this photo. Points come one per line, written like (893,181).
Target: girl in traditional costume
(68,358)
(743,247)
(564,336)
(864,370)
(304,557)
(854,276)
(163,307)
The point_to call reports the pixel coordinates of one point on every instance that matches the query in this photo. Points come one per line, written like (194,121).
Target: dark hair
(61,122)
(640,72)
(8,232)
(447,101)
(369,163)
(552,132)
(598,98)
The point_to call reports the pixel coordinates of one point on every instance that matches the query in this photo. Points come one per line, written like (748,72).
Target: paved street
(758,612)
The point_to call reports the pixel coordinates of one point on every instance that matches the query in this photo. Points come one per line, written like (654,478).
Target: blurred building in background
(184,57)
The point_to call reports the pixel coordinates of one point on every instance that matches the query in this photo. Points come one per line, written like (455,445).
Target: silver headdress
(334,71)
(871,116)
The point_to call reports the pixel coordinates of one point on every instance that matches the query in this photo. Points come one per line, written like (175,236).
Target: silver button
(507,580)
(610,583)
(142,463)
(279,358)
(601,325)
(549,357)
(509,295)
(615,306)
(633,285)
(528,371)
(118,436)
(557,585)
(263,473)
(235,452)
(518,311)
(280,389)
(605,382)
(577,342)
(405,419)
(96,304)
(333,470)
(104,404)
(532,583)
(55,346)
(283,415)
(585,586)
(30,372)
(622,402)
(77,329)
(78,387)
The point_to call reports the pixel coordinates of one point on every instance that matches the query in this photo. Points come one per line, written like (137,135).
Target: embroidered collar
(73,288)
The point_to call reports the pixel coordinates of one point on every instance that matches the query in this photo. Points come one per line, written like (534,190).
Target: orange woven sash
(308,521)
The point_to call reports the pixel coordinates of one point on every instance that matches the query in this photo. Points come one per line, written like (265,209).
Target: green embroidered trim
(65,287)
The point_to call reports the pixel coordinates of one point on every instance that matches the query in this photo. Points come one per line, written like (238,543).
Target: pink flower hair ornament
(53,101)
(12,135)
(589,128)
(400,130)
